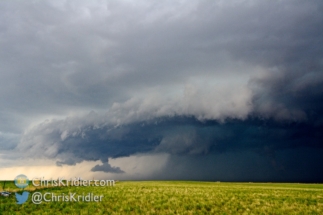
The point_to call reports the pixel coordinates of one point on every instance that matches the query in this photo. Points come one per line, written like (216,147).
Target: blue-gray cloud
(268,141)
(106,167)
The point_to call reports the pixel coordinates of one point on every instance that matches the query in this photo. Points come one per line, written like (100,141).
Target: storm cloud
(228,90)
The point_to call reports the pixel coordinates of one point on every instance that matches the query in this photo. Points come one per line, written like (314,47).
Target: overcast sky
(204,90)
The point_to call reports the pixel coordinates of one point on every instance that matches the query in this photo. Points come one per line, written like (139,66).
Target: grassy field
(178,197)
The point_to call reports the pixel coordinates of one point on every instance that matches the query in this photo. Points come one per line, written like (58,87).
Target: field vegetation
(178,197)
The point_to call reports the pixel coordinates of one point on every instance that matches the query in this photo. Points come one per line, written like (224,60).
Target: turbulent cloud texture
(228,89)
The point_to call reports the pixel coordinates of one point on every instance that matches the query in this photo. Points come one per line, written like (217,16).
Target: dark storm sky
(228,90)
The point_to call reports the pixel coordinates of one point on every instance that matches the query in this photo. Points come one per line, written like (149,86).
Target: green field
(178,197)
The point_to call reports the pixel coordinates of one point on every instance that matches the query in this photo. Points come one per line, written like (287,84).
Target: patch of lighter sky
(138,166)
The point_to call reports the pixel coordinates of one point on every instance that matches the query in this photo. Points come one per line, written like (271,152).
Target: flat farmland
(174,197)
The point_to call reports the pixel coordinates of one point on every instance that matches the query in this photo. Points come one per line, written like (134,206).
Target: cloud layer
(200,81)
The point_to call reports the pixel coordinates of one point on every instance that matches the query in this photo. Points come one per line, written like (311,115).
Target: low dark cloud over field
(228,90)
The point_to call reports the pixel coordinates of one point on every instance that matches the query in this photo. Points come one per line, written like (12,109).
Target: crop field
(176,197)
